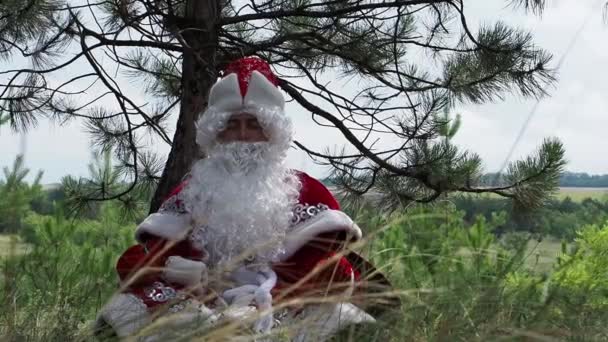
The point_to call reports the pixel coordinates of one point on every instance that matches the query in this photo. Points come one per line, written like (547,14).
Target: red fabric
(154,252)
(331,274)
(244,67)
(314,192)
(177,189)
(152,255)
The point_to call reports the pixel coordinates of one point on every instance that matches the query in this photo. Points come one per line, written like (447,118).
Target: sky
(575,112)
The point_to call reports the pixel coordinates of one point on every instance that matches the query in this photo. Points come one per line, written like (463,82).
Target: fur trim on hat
(263,100)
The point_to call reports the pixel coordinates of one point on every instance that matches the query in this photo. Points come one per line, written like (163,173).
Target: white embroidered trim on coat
(175,308)
(174,204)
(303,212)
(158,292)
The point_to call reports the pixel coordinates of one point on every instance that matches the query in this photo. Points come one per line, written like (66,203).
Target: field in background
(541,256)
(576,194)
(579,194)
(11,245)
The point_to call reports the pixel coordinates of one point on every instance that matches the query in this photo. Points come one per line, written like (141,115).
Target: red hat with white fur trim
(248,86)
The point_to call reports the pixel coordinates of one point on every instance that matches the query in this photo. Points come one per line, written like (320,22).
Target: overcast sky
(576,112)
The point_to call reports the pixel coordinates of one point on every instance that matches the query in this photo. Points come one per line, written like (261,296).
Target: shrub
(54,291)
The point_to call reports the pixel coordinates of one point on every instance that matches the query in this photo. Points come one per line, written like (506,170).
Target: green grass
(541,256)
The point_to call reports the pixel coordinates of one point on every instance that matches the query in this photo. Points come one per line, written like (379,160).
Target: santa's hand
(240,296)
(244,299)
(184,271)
(258,293)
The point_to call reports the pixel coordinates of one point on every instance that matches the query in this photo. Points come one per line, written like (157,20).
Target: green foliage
(373,46)
(16,195)
(459,282)
(583,272)
(53,291)
(576,179)
(558,218)
(537,176)
(3,118)
(84,196)
(457,279)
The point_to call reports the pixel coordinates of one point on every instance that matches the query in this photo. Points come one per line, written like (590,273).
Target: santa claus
(243,238)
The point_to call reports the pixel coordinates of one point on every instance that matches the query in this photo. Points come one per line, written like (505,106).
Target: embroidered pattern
(158,292)
(174,204)
(175,308)
(304,212)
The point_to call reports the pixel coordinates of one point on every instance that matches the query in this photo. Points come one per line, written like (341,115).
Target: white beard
(243,195)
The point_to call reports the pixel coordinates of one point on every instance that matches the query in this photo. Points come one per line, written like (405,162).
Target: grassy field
(576,194)
(579,194)
(11,244)
(541,256)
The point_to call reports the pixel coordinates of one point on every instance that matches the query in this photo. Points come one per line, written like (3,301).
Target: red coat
(159,240)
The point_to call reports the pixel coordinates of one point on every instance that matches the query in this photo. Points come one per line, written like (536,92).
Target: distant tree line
(567,179)
(560,218)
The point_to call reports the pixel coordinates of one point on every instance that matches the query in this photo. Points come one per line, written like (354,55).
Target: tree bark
(198,33)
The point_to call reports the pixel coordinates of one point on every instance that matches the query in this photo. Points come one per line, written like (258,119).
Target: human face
(242,127)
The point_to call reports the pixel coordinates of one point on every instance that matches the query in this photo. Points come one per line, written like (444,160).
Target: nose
(243,132)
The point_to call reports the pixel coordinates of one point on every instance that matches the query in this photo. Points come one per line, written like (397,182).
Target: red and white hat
(248,86)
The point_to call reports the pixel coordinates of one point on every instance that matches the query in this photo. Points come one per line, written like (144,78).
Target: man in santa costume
(244,238)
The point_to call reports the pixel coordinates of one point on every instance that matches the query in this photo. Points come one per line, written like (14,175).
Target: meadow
(464,270)
(579,194)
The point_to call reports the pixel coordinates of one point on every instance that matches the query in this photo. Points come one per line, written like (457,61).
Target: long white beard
(243,195)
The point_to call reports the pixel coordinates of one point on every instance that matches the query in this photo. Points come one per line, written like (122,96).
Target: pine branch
(339,12)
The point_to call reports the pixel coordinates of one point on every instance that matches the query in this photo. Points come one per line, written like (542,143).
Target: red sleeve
(332,273)
(318,252)
(145,261)
(314,192)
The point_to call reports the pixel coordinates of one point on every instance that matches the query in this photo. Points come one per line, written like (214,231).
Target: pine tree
(81,56)
(16,195)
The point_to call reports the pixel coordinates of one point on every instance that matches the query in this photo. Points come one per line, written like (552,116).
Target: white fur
(184,271)
(324,222)
(226,95)
(320,322)
(263,100)
(165,225)
(126,314)
(242,194)
(261,92)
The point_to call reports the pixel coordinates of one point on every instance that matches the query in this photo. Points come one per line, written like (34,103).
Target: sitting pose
(243,236)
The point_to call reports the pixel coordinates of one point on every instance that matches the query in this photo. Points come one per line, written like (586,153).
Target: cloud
(575,112)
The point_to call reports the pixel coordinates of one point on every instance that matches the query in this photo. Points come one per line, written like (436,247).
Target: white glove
(258,293)
(184,271)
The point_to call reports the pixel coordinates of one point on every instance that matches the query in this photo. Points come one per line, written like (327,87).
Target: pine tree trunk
(198,75)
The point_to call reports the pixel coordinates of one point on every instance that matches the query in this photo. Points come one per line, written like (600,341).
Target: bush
(459,282)
(54,291)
